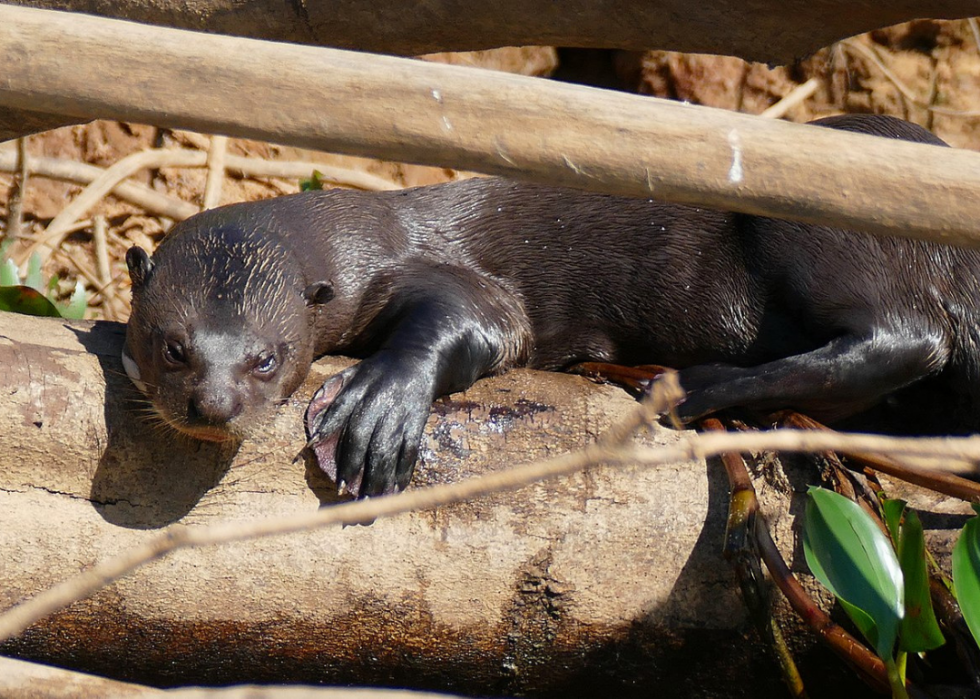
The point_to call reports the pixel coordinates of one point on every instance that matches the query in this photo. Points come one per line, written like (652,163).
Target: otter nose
(214,408)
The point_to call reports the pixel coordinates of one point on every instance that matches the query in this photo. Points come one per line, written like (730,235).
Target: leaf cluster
(880,576)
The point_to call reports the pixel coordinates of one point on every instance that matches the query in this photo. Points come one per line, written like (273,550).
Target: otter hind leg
(842,378)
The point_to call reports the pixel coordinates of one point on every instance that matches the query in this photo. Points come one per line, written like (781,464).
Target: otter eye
(173,352)
(266,365)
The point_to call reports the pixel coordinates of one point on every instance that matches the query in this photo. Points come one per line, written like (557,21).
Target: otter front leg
(438,334)
(842,378)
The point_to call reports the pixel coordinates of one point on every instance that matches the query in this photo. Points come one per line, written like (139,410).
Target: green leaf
(966,574)
(77,303)
(24,299)
(9,274)
(893,511)
(33,277)
(866,625)
(314,183)
(919,630)
(850,555)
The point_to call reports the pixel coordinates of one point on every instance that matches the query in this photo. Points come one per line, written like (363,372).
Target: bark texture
(24,680)
(611,580)
(765,30)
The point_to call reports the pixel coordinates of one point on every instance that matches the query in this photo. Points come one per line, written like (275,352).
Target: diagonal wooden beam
(530,129)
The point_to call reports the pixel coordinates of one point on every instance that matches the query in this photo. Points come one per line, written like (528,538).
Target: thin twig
(930,474)
(82,267)
(105,183)
(796,96)
(100,239)
(689,448)
(300,169)
(18,618)
(15,202)
(974,29)
(83,173)
(216,171)
(700,446)
(665,394)
(101,182)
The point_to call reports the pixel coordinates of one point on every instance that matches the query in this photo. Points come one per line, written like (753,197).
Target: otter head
(221,329)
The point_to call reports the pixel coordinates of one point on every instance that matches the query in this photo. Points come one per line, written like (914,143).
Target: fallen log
(501,124)
(610,580)
(24,680)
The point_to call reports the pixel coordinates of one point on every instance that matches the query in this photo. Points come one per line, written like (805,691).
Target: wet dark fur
(440,285)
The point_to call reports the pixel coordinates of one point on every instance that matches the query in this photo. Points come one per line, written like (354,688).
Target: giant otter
(437,286)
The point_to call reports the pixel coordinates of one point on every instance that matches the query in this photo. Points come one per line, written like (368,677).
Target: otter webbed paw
(365,424)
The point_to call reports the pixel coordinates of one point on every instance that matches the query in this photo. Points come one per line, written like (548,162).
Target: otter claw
(323,447)
(365,424)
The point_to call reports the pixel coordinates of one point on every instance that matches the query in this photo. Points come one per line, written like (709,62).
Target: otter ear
(318,293)
(140,265)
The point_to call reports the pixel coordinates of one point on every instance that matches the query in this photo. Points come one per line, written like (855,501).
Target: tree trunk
(608,581)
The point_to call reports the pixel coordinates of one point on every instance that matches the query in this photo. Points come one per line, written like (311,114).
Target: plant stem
(895,680)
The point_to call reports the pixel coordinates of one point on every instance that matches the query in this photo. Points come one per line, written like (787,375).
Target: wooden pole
(88,67)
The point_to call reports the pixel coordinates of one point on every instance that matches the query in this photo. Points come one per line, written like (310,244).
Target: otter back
(437,286)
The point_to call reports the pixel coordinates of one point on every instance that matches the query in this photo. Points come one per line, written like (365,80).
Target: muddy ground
(925,71)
